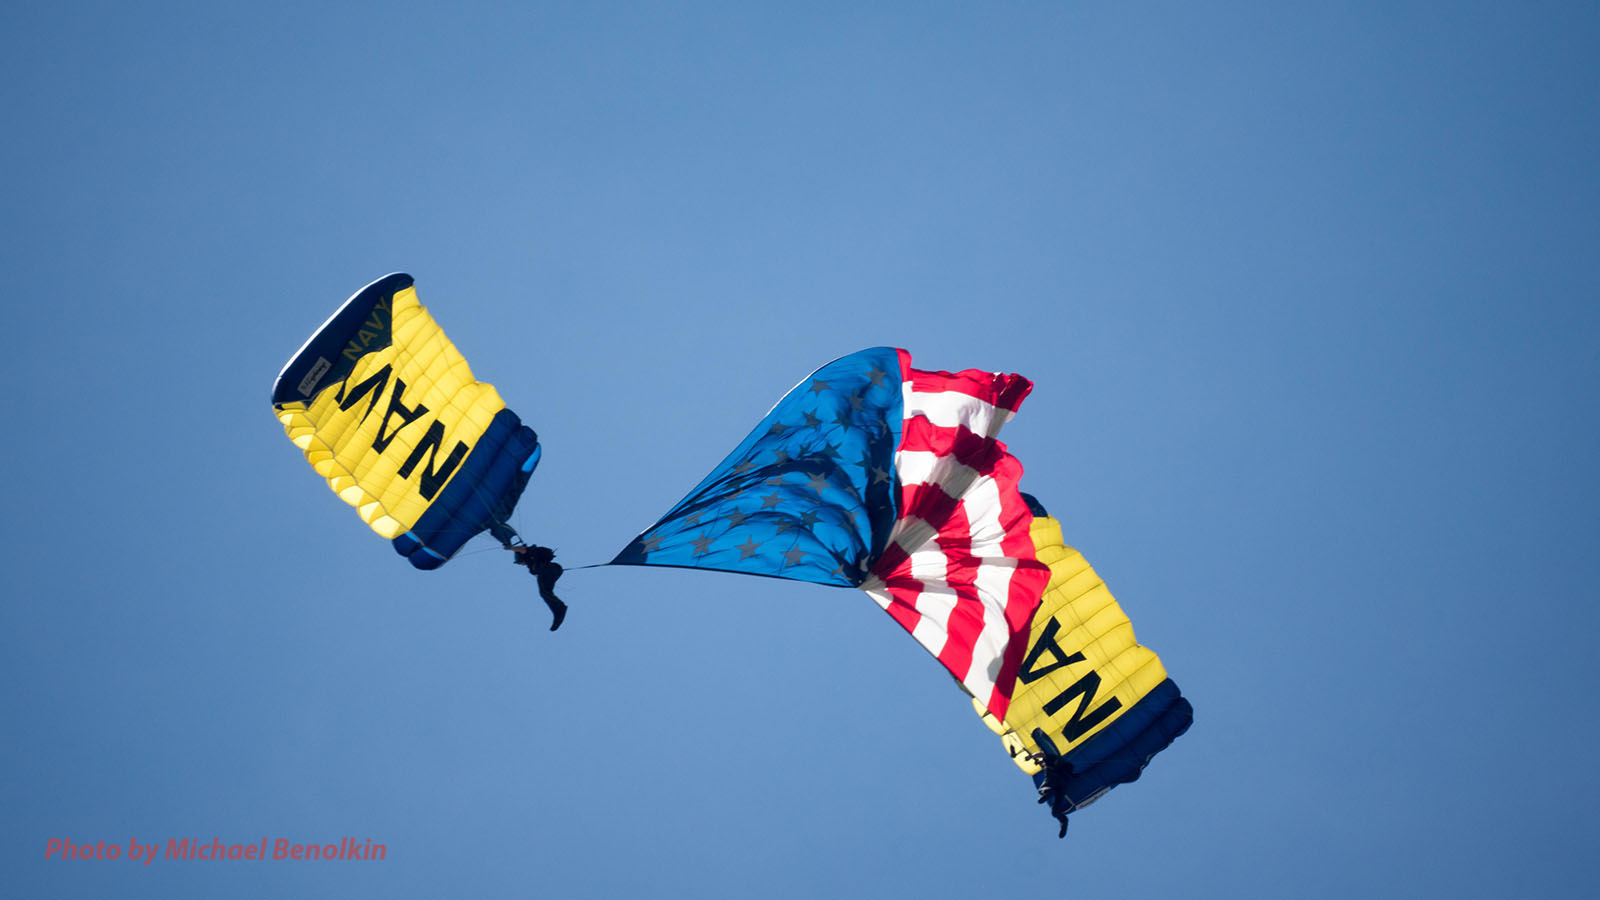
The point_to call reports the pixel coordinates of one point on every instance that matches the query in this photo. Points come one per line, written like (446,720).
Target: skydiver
(541,563)
(1057,777)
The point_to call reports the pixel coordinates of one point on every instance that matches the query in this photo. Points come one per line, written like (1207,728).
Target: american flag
(872,474)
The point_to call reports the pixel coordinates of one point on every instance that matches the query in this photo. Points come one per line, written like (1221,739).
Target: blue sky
(1308,295)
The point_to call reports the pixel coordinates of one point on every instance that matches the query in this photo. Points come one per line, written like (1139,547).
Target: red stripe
(968,448)
(927,502)
(894,556)
(1002,390)
(902,589)
(903,606)
(1028,582)
(961,567)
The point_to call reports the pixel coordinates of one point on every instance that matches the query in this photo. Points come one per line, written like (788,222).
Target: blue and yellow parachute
(1092,705)
(388,412)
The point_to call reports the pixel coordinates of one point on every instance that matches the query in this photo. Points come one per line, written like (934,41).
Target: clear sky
(1308,292)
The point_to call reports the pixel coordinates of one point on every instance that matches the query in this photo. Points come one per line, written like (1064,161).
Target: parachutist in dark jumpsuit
(541,563)
(1053,779)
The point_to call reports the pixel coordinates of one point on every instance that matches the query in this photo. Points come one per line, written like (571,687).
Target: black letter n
(433,478)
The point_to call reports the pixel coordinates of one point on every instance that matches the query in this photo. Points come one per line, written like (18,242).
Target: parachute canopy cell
(388,411)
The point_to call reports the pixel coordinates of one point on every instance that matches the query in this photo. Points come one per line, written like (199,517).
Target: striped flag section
(960,571)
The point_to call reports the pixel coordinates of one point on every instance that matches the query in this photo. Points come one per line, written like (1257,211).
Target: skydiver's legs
(557,608)
(541,563)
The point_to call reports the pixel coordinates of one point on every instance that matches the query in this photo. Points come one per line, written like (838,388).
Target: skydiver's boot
(557,609)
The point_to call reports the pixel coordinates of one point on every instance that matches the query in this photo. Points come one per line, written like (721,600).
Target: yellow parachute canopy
(1091,705)
(388,411)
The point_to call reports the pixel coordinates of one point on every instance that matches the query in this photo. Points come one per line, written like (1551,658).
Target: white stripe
(989,649)
(982,505)
(928,467)
(950,409)
(933,606)
(993,583)
(936,599)
(927,564)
